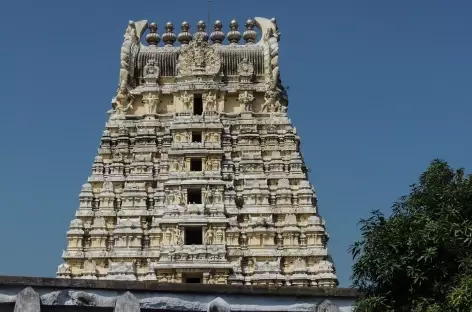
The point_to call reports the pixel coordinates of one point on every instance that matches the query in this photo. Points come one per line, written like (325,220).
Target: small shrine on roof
(199,176)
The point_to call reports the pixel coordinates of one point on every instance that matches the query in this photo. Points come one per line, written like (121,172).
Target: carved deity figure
(246,98)
(209,235)
(199,57)
(179,196)
(150,100)
(245,70)
(271,103)
(210,101)
(182,165)
(151,70)
(208,164)
(123,101)
(90,266)
(178,237)
(187,100)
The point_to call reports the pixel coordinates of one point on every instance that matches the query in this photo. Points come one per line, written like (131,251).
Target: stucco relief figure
(209,235)
(245,70)
(182,165)
(208,164)
(178,237)
(177,137)
(271,103)
(179,196)
(187,100)
(210,101)
(199,57)
(246,98)
(90,266)
(64,268)
(150,100)
(123,101)
(151,70)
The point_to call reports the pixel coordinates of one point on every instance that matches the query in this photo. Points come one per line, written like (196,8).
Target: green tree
(419,258)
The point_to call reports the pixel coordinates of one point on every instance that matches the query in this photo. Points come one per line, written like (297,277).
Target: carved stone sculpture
(151,100)
(210,102)
(246,98)
(123,101)
(187,100)
(245,70)
(198,58)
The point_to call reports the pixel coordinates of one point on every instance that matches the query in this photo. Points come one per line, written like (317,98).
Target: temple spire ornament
(199,176)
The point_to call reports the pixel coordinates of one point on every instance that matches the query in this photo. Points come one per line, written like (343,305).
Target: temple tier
(199,176)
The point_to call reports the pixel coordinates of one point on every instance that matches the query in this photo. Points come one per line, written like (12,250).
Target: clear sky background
(377,90)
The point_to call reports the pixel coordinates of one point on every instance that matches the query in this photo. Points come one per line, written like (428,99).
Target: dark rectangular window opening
(195,164)
(193,280)
(196,137)
(197,104)
(194,196)
(193,236)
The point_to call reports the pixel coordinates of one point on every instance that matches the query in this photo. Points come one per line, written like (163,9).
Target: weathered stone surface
(127,303)
(184,299)
(27,301)
(218,305)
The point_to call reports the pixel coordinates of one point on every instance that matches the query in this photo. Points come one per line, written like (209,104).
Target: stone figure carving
(272,103)
(178,237)
(64,269)
(209,235)
(151,70)
(150,100)
(299,264)
(210,101)
(187,100)
(123,101)
(245,70)
(90,266)
(199,57)
(290,219)
(179,196)
(208,164)
(246,98)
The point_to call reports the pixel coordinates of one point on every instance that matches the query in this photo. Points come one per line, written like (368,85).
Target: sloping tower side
(199,176)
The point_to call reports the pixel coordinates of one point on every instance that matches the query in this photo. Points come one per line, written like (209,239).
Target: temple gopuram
(199,197)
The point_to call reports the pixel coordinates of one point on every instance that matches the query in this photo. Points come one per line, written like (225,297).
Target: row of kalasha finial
(217,36)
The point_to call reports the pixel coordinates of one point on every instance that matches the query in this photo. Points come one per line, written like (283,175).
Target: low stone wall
(32,294)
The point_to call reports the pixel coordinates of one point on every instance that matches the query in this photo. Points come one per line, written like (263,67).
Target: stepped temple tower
(199,176)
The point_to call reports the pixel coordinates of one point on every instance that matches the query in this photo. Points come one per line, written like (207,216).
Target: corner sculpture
(199,177)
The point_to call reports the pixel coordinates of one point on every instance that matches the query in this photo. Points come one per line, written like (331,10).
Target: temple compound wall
(32,294)
(199,176)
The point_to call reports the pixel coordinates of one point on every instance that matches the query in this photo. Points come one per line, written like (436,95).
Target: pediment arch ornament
(199,58)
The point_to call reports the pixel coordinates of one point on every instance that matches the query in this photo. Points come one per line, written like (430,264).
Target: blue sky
(377,90)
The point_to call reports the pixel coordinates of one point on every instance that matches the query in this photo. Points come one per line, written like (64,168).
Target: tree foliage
(419,258)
